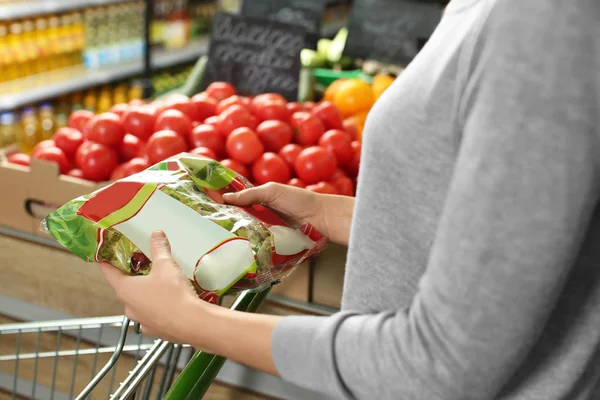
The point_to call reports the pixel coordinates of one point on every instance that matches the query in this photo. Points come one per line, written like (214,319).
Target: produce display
(263,138)
(222,249)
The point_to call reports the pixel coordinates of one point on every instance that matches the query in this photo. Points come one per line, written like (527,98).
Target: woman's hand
(330,215)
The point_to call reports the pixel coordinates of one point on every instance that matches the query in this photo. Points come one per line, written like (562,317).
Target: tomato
(246,101)
(274,134)
(261,98)
(106,129)
(81,151)
(118,173)
(120,109)
(180,102)
(272,109)
(343,185)
(42,145)
(204,152)
(79,119)
(352,166)
(174,120)
(131,147)
(243,145)
(338,173)
(98,162)
(19,158)
(68,140)
(220,90)
(208,136)
(315,164)
(309,105)
(231,101)
(164,144)
(307,128)
(55,155)
(297,182)
(137,102)
(215,121)
(140,121)
(289,153)
(351,128)
(294,106)
(234,117)
(253,122)
(270,168)
(135,165)
(339,143)
(236,166)
(328,113)
(204,106)
(323,188)
(76,173)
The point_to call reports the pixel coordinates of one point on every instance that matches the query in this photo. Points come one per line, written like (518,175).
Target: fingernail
(158,235)
(229,195)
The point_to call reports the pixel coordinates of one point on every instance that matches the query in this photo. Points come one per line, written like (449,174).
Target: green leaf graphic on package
(221,248)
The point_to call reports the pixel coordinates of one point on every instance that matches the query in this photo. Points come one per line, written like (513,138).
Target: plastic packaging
(222,249)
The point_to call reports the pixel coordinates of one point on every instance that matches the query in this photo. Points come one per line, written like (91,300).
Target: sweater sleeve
(524,187)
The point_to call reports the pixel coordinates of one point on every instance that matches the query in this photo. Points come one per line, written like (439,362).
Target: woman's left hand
(162,301)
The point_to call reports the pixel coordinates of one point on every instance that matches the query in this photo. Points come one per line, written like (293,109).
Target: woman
(472,269)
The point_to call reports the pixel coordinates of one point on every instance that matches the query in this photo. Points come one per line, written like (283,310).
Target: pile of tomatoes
(264,138)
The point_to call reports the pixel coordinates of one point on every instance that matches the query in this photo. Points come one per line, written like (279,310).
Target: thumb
(160,249)
(265,194)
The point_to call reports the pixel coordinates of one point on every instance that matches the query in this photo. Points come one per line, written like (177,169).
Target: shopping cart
(104,358)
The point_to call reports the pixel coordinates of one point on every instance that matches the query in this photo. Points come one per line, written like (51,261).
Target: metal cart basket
(102,358)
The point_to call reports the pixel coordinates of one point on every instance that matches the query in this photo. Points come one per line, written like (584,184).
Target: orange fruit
(353,96)
(380,83)
(359,121)
(332,89)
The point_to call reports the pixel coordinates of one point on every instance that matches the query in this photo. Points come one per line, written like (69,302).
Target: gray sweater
(474,257)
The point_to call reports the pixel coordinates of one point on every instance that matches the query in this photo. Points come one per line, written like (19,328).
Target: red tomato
(328,113)
(309,105)
(338,173)
(81,152)
(339,143)
(323,188)
(204,106)
(232,118)
(351,129)
(118,172)
(294,106)
(208,136)
(205,152)
(220,90)
(76,173)
(297,182)
(274,134)
(98,162)
(174,120)
(231,101)
(307,128)
(352,166)
(270,168)
(343,185)
(236,166)
(19,158)
(246,101)
(135,165)
(137,102)
(120,109)
(180,102)
(215,121)
(53,154)
(261,98)
(253,122)
(289,153)
(106,129)
(315,164)
(68,140)
(131,147)
(42,145)
(140,122)
(272,109)
(164,144)
(79,119)
(243,145)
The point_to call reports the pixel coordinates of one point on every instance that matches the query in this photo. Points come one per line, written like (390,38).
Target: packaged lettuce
(222,249)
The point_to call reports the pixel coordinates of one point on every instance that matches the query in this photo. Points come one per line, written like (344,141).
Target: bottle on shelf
(104,102)
(76,100)
(29,134)
(47,121)
(41,42)
(90,100)
(62,112)
(9,128)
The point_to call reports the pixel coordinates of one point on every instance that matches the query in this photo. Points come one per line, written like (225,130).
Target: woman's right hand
(330,215)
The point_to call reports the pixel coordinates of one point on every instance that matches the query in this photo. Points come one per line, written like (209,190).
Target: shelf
(40,87)
(40,7)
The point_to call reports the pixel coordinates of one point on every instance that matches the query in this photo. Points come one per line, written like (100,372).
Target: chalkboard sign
(306,13)
(255,55)
(390,30)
